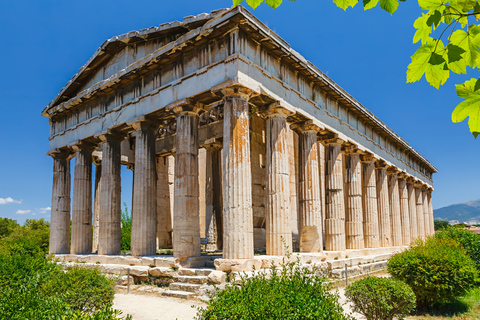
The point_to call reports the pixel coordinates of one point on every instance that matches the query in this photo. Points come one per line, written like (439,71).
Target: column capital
(392,170)
(381,164)
(333,141)
(237,91)
(186,105)
(96,161)
(79,145)
(305,126)
(367,158)
(277,110)
(61,153)
(410,179)
(418,184)
(109,135)
(212,143)
(402,175)
(141,122)
(351,148)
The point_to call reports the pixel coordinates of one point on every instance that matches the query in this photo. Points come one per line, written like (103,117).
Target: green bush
(33,234)
(126,231)
(107,313)
(7,226)
(381,298)
(469,240)
(438,270)
(291,292)
(440,224)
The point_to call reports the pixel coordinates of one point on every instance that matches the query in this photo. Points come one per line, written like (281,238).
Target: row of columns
(367,204)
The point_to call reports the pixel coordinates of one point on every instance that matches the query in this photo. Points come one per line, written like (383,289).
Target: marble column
(430,211)
(335,213)
(353,201)
(237,176)
(164,210)
(310,214)
(370,211)
(412,210)
(384,227)
(110,196)
(144,208)
(213,197)
(82,200)
(186,215)
(394,200)
(277,222)
(60,214)
(404,209)
(420,218)
(426,213)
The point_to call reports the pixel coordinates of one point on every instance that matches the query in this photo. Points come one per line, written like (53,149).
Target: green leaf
(470,42)
(436,59)
(469,108)
(456,63)
(466,89)
(254,3)
(273,3)
(430,4)
(389,5)
(369,4)
(423,30)
(344,4)
(434,19)
(428,60)
(236,2)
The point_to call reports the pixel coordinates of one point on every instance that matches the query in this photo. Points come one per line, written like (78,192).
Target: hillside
(463,212)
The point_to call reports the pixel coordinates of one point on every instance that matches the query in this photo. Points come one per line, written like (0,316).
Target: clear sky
(44,43)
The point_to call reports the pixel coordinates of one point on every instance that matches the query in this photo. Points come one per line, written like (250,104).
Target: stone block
(139,271)
(169,262)
(162,272)
(217,277)
(237,265)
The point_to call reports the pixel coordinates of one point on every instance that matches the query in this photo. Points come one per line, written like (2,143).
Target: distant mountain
(463,212)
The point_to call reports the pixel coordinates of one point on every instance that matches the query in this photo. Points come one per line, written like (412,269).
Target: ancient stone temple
(237,143)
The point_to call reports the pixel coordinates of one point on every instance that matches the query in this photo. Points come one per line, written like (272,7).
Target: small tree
(126,232)
(440,224)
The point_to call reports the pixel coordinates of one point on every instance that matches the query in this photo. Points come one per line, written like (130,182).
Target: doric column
(237,176)
(404,209)
(353,200)
(310,214)
(82,200)
(144,208)
(110,196)
(164,210)
(278,225)
(335,213)
(370,211)
(419,203)
(384,228)
(426,212)
(60,214)
(394,199)
(430,211)
(213,197)
(186,216)
(412,210)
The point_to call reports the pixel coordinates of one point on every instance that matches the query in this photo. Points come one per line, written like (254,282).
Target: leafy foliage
(440,224)
(469,240)
(7,226)
(126,231)
(291,292)
(32,236)
(438,270)
(381,298)
(435,58)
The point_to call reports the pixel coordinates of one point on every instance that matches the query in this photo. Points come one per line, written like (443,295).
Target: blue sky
(44,43)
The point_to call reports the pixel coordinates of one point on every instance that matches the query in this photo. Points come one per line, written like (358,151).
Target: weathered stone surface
(213,197)
(237,265)
(412,210)
(384,226)
(426,213)
(162,272)
(217,277)
(96,205)
(164,207)
(370,211)
(353,202)
(404,210)
(420,218)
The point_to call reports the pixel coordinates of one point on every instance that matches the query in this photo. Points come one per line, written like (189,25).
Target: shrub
(440,224)
(7,226)
(291,292)
(469,240)
(33,234)
(126,231)
(436,269)
(381,298)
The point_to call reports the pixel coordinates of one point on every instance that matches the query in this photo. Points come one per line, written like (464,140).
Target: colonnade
(368,203)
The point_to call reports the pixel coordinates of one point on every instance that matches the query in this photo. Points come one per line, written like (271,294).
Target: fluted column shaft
(370,211)
(335,214)
(395,219)
(426,213)
(164,210)
(412,211)
(60,214)
(237,176)
(186,215)
(404,211)
(420,218)
(430,212)
(213,198)
(354,210)
(384,227)
(144,211)
(82,202)
(110,197)
(278,225)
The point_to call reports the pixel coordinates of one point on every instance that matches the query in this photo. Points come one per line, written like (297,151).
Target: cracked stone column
(353,200)
(82,200)
(237,176)
(419,203)
(394,198)
(384,228)
(426,213)
(370,211)
(60,214)
(164,210)
(335,213)
(213,197)
(430,211)
(144,208)
(412,209)
(96,204)
(404,209)
(110,196)
(278,225)
(186,216)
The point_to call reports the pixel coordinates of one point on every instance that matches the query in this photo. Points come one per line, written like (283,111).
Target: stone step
(351,262)
(210,264)
(188,287)
(195,272)
(178,294)
(191,279)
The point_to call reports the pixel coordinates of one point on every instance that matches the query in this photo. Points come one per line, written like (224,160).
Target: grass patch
(464,308)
